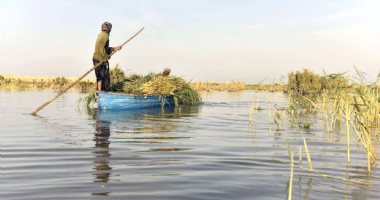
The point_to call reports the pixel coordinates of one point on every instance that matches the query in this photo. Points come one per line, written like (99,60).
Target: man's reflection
(101,151)
(101,154)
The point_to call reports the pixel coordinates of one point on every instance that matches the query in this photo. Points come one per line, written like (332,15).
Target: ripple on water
(201,152)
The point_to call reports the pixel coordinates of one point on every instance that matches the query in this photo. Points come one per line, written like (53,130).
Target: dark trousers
(103,74)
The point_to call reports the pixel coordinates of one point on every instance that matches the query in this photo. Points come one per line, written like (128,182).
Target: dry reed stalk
(369,161)
(365,140)
(336,178)
(348,131)
(317,172)
(307,154)
(291,176)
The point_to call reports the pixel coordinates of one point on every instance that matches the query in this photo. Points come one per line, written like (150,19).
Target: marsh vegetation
(347,106)
(343,103)
(9,82)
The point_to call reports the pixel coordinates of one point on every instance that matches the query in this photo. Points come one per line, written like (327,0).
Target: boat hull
(121,101)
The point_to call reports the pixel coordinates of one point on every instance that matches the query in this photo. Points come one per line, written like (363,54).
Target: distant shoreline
(45,78)
(25,82)
(13,82)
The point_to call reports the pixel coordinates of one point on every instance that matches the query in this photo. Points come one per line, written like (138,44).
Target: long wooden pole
(133,36)
(79,79)
(130,38)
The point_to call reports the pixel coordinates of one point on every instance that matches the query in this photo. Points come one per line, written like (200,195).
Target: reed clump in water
(89,100)
(308,83)
(355,104)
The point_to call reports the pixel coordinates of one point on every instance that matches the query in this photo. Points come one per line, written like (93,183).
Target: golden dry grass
(231,86)
(13,82)
(27,78)
(275,87)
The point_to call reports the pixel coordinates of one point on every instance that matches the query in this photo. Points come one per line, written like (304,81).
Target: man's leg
(106,80)
(99,86)
(99,75)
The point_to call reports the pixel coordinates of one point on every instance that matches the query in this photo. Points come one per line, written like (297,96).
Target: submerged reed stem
(291,176)
(307,154)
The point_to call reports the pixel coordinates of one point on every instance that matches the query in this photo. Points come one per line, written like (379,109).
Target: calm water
(203,152)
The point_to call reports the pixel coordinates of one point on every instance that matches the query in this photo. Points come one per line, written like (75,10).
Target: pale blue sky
(200,40)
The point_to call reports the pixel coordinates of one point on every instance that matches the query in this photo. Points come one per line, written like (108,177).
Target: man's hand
(115,49)
(118,48)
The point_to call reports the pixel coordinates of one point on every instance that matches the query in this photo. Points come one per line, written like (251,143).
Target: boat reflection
(140,114)
(152,120)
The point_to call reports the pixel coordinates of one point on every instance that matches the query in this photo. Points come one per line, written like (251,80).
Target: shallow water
(201,152)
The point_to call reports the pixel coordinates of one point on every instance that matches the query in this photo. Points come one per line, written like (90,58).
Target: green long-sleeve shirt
(102,49)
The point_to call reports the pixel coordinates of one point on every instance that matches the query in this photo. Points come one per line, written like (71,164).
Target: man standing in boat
(101,55)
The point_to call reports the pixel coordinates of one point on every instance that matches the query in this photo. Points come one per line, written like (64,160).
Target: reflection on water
(102,153)
(140,121)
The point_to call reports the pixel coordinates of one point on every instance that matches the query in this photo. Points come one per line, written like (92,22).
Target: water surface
(198,152)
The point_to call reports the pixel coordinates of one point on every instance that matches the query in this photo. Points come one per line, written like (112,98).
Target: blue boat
(123,101)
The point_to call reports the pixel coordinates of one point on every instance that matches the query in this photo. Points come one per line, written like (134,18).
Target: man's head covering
(106,26)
